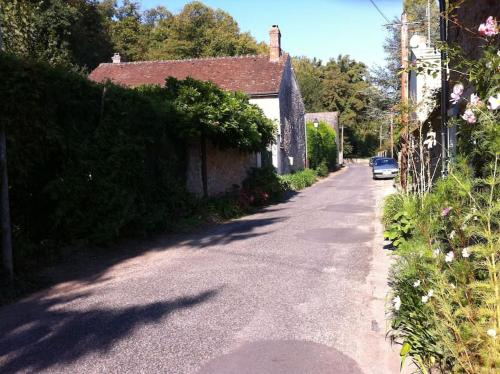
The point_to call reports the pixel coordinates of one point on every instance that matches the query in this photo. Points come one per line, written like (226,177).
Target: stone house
(269,82)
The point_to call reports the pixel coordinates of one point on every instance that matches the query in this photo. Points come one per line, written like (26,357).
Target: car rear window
(385,161)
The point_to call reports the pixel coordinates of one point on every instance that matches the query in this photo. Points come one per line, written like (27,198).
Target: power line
(381,13)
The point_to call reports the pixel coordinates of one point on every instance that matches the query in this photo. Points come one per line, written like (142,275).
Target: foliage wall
(93,162)
(321,145)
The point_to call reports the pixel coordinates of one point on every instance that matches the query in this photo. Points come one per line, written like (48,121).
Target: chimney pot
(275,44)
(116,58)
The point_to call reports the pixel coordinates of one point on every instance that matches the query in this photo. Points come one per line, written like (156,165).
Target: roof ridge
(185,60)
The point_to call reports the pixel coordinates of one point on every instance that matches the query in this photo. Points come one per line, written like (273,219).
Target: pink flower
(469,116)
(446,211)
(458,90)
(494,102)
(490,28)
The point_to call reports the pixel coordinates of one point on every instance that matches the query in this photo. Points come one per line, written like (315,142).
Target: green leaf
(405,349)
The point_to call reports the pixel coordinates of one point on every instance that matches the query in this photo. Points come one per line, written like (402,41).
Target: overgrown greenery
(225,118)
(84,33)
(299,180)
(322,148)
(446,275)
(446,278)
(89,163)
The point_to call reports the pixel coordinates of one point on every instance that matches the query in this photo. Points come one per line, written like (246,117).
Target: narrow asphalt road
(297,288)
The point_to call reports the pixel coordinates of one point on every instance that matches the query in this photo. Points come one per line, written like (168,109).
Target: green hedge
(93,162)
(86,161)
(321,146)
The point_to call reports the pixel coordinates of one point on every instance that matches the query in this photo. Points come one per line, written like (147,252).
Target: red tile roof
(254,75)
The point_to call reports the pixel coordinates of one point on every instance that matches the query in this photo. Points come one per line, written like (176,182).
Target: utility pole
(428,11)
(444,88)
(380,137)
(342,143)
(404,102)
(8,263)
(392,135)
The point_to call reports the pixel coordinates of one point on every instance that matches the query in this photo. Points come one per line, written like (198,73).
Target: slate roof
(254,75)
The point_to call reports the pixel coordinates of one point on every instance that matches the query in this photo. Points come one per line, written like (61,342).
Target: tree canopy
(84,33)
(344,85)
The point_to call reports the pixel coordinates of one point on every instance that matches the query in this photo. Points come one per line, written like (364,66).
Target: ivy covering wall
(93,162)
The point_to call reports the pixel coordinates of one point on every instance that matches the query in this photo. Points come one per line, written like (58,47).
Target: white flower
(458,90)
(452,234)
(431,139)
(465,252)
(416,284)
(449,256)
(430,293)
(397,302)
(425,299)
(453,286)
(475,99)
(437,252)
(492,333)
(494,102)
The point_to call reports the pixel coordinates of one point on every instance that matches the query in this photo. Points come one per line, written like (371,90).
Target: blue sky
(314,28)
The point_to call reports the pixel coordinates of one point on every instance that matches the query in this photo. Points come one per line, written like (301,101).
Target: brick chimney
(116,58)
(275,44)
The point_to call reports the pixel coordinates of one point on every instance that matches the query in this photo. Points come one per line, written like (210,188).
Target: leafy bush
(299,180)
(226,118)
(262,186)
(447,276)
(446,279)
(93,162)
(399,218)
(400,229)
(322,169)
(321,146)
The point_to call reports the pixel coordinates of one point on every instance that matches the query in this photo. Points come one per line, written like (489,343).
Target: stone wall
(293,136)
(225,168)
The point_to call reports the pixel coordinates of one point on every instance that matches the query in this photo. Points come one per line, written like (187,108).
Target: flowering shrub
(446,278)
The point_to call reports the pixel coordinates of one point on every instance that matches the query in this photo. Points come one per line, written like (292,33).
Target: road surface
(297,288)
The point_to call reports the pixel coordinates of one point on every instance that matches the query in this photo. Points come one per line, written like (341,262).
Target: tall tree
(200,31)
(309,73)
(344,85)
(69,32)
(128,34)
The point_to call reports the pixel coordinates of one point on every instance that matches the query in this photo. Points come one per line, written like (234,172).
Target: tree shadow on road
(37,334)
(91,265)
(231,232)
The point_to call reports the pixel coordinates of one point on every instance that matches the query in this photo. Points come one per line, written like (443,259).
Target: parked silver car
(385,168)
